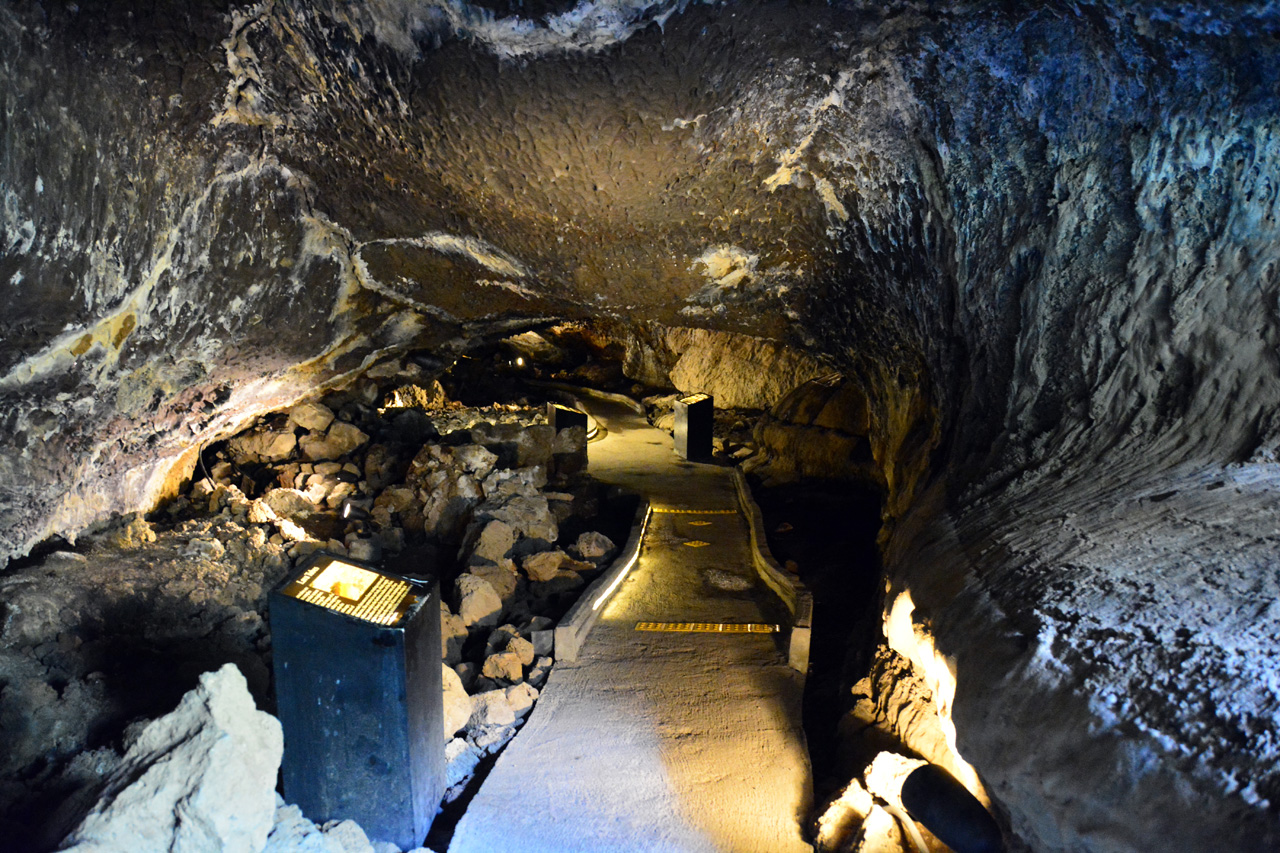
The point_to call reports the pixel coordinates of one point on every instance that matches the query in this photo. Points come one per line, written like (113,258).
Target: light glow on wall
(915,643)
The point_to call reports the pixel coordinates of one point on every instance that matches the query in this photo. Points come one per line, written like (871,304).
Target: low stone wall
(573,629)
(794,594)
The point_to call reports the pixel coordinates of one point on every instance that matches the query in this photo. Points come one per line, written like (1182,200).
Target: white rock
(293,833)
(200,778)
(521,698)
(495,541)
(460,759)
(490,739)
(289,503)
(478,460)
(528,515)
(594,546)
(313,416)
(349,835)
(457,704)
(478,602)
(491,708)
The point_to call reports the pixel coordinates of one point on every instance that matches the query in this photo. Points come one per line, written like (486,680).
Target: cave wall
(1043,239)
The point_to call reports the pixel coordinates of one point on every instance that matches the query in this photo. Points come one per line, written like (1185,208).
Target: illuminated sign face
(337,585)
(344,580)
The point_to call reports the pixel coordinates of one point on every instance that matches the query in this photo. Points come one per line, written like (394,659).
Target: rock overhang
(1044,239)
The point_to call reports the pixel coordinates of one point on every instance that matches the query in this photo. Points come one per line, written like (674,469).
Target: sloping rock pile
(493,672)
(202,778)
(115,626)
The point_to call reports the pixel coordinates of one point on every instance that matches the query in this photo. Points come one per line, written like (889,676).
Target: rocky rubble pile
(732,436)
(117,625)
(493,672)
(202,778)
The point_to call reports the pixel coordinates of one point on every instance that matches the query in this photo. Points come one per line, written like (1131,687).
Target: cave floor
(660,741)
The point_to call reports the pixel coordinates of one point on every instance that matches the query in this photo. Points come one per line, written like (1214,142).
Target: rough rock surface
(1042,237)
(200,778)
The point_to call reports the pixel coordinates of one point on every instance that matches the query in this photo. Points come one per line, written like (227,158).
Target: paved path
(668,742)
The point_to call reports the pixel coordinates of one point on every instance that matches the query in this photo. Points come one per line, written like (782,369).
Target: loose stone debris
(112,628)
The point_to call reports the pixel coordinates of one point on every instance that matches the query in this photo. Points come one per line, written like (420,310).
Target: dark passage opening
(828,530)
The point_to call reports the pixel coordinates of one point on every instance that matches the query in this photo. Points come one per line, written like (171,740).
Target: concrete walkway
(660,741)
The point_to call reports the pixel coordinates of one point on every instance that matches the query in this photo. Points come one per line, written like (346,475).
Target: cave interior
(987,295)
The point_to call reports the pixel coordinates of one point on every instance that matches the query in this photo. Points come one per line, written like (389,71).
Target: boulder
(539,671)
(383,466)
(564,581)
(362,548)
(502,576)
(460,759)
(490,739)
(491,708)
(506,482)
(477,460)
(457,704)
(521,698)
(503,666)
(315,417)
(349,835)
(467,675)
(453,633)
(341,439)
(523,649)
(516,446)
(494,541)
(290,504)
(499,638)
(478,602)
(544,566)
(265,446)
(594,546)
(200,778)
(529,515)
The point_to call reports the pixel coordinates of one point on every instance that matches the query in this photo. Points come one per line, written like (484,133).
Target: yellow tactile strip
(673,510)
(708,627)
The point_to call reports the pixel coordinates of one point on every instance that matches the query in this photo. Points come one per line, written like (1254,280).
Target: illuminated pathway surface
(659,741)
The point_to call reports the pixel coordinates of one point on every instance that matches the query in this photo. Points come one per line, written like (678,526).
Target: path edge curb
(794,594)
(571,633)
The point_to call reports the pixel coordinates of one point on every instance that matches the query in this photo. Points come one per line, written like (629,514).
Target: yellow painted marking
(672,510)
(696,543)
(708,627)
(699,523)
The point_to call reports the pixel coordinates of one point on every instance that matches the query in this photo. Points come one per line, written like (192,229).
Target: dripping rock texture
(1041,238)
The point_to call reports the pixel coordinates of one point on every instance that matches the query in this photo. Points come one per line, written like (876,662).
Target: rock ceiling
(1045,237)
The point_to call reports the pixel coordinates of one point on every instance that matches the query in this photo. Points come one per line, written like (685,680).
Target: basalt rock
(1041,238)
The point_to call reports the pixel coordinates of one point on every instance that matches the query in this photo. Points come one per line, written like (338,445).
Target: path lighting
(913,790)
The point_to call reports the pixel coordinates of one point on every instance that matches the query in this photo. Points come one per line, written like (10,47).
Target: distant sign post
(358,692)
(562,417)
(695,416)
